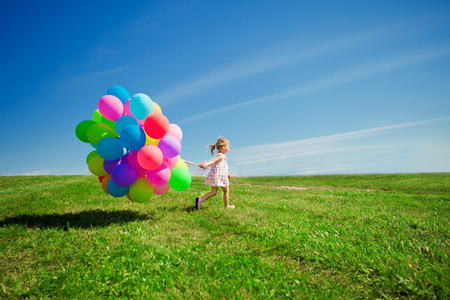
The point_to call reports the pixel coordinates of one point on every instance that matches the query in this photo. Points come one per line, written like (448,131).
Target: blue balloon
(115,190)
(124,121)
(110,148)
(120,92)
(141,106)
(133,137)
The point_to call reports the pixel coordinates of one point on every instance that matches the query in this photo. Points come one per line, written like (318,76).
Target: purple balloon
(124,160)
(170,146)
(124,175)
(109,165)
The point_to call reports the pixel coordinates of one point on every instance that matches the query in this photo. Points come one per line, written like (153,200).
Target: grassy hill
(343,236)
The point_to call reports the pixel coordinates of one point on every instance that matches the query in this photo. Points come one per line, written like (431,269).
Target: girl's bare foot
(230,206)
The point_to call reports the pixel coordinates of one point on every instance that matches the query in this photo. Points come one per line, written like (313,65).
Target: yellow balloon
(156,108)
(95,166)
(181,164)
(91,155)
(150,141)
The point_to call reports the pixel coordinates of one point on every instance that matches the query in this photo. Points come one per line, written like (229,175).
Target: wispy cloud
(270,59)
(335,80)
(264,159)
(229,74)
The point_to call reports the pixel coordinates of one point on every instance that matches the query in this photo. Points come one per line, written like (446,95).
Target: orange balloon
(105,180)
(156,108)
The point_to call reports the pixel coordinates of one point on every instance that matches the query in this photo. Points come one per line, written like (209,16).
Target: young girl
(218,174)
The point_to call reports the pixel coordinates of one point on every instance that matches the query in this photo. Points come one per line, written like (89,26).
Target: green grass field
(348,236)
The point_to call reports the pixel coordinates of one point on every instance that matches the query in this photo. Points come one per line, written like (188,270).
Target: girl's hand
(229,176)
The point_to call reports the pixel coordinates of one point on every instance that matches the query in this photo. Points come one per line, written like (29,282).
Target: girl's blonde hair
(219,144)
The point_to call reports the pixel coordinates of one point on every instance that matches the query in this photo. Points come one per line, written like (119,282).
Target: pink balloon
(110,107)
(160,190)
(175,130)
(133,160)
(126,108)
(170,162)
(170,146)
(159,176)
(150,157)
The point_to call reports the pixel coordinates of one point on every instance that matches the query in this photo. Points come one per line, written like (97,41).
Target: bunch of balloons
(137,149)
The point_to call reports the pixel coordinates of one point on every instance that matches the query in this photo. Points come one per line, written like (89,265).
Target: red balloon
(156,126)
(150,157)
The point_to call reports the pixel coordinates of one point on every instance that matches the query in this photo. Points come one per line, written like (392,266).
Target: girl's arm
(213,161)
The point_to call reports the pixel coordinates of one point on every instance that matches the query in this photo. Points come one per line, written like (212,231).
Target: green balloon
(99,131)
(82,129)
(98,118)
(180,179)
(141,191)
(110,123)
(91,155)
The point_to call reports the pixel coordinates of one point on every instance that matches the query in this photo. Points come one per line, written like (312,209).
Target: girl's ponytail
(213,147)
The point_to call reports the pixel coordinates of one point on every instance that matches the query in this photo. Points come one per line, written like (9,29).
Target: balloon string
(197,167)
(190,163)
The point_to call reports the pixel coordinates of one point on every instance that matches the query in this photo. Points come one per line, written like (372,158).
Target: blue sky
(298,87)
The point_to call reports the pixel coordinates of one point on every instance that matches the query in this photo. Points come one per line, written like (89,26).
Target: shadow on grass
(83,219)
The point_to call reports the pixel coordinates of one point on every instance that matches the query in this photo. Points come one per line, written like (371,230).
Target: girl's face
(224,149)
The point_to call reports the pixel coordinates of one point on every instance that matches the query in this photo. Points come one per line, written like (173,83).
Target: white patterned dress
(218,174)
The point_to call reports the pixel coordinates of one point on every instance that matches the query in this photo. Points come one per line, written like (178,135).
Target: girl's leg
(210,194)
(199,201)
(226,197)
